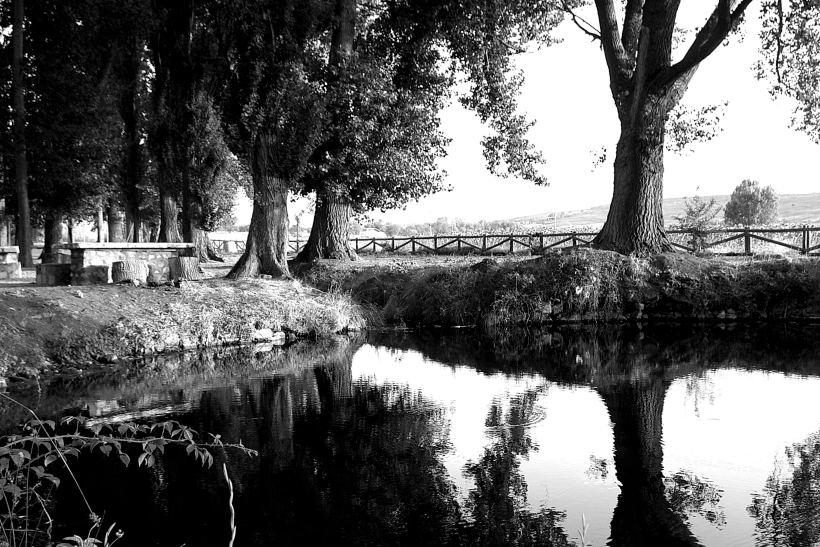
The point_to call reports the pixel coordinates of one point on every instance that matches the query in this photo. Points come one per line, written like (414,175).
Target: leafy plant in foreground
(26,459)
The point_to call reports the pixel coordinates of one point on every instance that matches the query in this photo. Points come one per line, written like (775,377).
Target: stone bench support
(86,256)
(10,263)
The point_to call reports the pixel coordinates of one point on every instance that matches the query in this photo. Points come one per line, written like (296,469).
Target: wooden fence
(803,240)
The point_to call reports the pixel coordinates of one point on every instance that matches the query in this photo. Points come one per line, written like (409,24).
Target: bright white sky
(567,94)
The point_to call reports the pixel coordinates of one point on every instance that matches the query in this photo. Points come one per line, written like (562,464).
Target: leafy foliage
(698,215)
(687,126)
(31,460)
(790,45)
(751,205)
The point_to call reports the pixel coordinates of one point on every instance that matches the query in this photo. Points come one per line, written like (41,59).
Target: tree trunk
(130,109)
(634,224)
(4,229)
(266,251)
(24,240)
(643,515)
(116,224)
(169,217)
(330,232)
(53,237)
(203,249)
(100,225)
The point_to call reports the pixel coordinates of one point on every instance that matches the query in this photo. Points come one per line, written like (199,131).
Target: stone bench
(90,260)
(10,263)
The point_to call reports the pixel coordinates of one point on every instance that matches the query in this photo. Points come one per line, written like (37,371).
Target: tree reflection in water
(788,510)
(497,505)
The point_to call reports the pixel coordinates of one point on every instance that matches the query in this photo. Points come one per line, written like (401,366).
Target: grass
(227,313)
(578,286)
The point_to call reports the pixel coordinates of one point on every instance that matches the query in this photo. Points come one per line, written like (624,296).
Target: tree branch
(715,30)
(585,26)
(633,20)
(616,58)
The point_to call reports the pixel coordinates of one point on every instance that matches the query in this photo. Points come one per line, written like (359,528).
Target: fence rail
(804,240)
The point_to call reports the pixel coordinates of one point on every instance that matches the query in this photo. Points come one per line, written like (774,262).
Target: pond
(661,436)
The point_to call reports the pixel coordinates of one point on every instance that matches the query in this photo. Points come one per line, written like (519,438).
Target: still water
(674,436)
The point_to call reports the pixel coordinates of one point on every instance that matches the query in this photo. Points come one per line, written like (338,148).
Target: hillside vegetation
(794,209)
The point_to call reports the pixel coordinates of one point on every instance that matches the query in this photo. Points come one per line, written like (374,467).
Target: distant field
(794,209)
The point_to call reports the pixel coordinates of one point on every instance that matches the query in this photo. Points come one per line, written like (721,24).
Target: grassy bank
(579,286)
(54,329)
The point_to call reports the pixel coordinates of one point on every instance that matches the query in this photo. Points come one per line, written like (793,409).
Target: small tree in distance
(751,205)
(698,214)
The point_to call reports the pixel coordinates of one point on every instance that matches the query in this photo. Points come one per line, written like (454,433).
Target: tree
(751,205)
(381,138)
(389,79)
(790,34)
(697,216)
(646,86)
(20,158)
(272,106)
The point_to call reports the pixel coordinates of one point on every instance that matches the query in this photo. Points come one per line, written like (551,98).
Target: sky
(567,93)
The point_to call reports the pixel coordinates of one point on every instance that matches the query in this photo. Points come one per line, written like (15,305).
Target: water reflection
(787,512)
(658,437)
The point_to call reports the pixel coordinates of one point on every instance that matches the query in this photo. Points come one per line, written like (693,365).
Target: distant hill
(794,209)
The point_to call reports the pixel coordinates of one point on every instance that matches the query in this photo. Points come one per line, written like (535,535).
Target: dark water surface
(673,436)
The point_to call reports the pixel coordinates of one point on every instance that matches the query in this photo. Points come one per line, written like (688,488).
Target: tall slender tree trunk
(643,515)
(116,224)
(330,232)
(100,225)
(169,217)
(24,240)
(635,223)
(266,250)
(130,109)
(53,231)
(4,228)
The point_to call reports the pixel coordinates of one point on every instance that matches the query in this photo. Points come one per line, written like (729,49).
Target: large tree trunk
(24,240)
(116,224)
(331,222)
(634,224)
(53,237)
(643,515)
(169,217)
(266,251)
(330,232)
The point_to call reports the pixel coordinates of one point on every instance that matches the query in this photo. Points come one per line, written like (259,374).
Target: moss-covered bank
(579,286)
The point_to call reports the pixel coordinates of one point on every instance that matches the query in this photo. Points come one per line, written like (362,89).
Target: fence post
(458,242)
(541,240)
(512,243)
(747,241)
(574,239)
(393,244)
(435,244)
(484,243)
(806,236)
(356,243)
(413,244)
